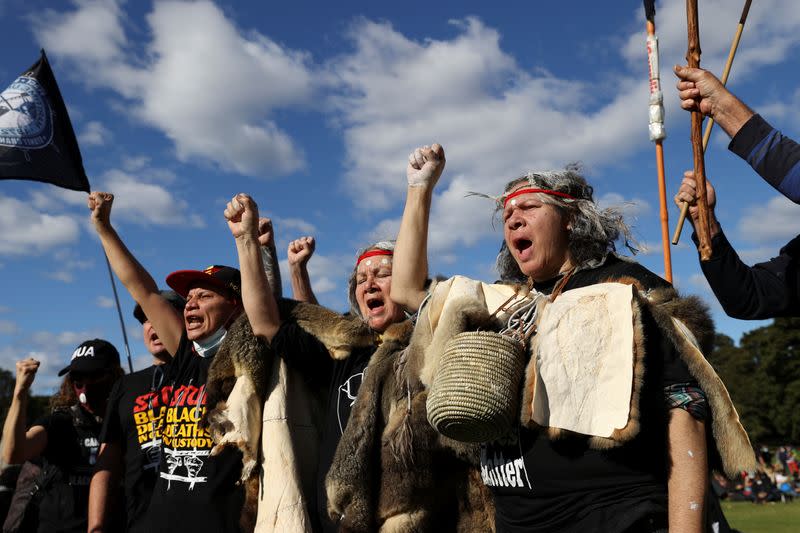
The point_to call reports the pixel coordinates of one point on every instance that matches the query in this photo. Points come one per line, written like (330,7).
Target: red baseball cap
(224,277)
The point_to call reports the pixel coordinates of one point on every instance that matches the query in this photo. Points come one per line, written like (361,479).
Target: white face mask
(208,347)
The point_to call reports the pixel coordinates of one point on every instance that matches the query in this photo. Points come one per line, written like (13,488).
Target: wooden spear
(710,124)
(693,60)
(657,132)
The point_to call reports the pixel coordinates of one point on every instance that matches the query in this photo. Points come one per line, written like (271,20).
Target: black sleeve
(112,425)
(43,421)
(765,290)
(304,353)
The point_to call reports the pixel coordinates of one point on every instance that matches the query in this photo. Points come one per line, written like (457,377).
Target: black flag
(36,138)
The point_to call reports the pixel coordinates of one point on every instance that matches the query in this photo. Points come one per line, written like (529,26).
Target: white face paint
(368,262)
(691,453)
(384,261)
(694,506)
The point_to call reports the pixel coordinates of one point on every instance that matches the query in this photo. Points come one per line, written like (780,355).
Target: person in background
(299,252)
(66,442)
(130,447)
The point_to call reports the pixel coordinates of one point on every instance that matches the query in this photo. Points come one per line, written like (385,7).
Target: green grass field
(768,518)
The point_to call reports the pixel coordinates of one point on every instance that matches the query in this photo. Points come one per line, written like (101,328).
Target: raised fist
(100,205)
(266,236)
(26,372)
(425,166)
(300,251)
(242,215)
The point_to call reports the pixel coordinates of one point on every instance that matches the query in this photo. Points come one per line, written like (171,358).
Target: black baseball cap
(92,356)
(171,296)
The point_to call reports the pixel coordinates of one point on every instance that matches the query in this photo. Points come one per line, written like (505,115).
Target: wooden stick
(707,135)
(693,60)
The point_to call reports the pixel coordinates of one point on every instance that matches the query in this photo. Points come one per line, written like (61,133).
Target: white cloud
(25,230)
(283,225)
(775,22)
(632,208)
(94,134)
(327,273)
(779,220)
(144,203)
(68,265)
(208,86)
(104,302)
(497,120)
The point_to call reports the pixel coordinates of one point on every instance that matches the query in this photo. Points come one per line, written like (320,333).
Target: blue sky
(313,109)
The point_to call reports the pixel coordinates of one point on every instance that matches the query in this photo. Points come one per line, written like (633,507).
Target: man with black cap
(130,446)
(66,441)
(194,491)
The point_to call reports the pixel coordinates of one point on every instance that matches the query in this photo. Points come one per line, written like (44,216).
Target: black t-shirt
(342,378)
(133,415)
(544,485)
(72,446)
(194,491)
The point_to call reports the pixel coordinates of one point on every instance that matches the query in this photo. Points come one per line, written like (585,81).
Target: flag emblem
(26,120)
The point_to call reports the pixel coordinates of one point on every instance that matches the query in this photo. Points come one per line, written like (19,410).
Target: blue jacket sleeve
(774,156)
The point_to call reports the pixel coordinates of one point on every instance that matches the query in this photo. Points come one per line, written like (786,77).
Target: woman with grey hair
(368,293)
(556,239)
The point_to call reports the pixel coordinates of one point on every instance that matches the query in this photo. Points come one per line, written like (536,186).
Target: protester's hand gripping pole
(657,131)
(710,124)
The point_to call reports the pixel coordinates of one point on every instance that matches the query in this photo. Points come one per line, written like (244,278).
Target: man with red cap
(194,491)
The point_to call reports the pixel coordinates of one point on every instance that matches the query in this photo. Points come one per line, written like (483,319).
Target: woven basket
(474,396)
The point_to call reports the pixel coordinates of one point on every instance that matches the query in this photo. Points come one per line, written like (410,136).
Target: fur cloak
(392,471)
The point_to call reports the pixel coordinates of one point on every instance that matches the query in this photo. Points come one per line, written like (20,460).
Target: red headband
(544,191)
(372,253)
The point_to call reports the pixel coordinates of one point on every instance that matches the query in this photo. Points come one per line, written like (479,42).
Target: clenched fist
(100,205)
(26,372)
(266,235)
(300,251)
(242,215)
(425,166)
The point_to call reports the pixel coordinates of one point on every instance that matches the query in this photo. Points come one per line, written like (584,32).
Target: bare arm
(299,253)
(257,298)
(19,445)
(410,263)
(269,255)
(105,481)
(140,284)
(688,475)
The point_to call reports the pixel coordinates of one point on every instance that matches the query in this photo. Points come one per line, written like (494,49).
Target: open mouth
(193,322)
(374,304)
(521,245)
